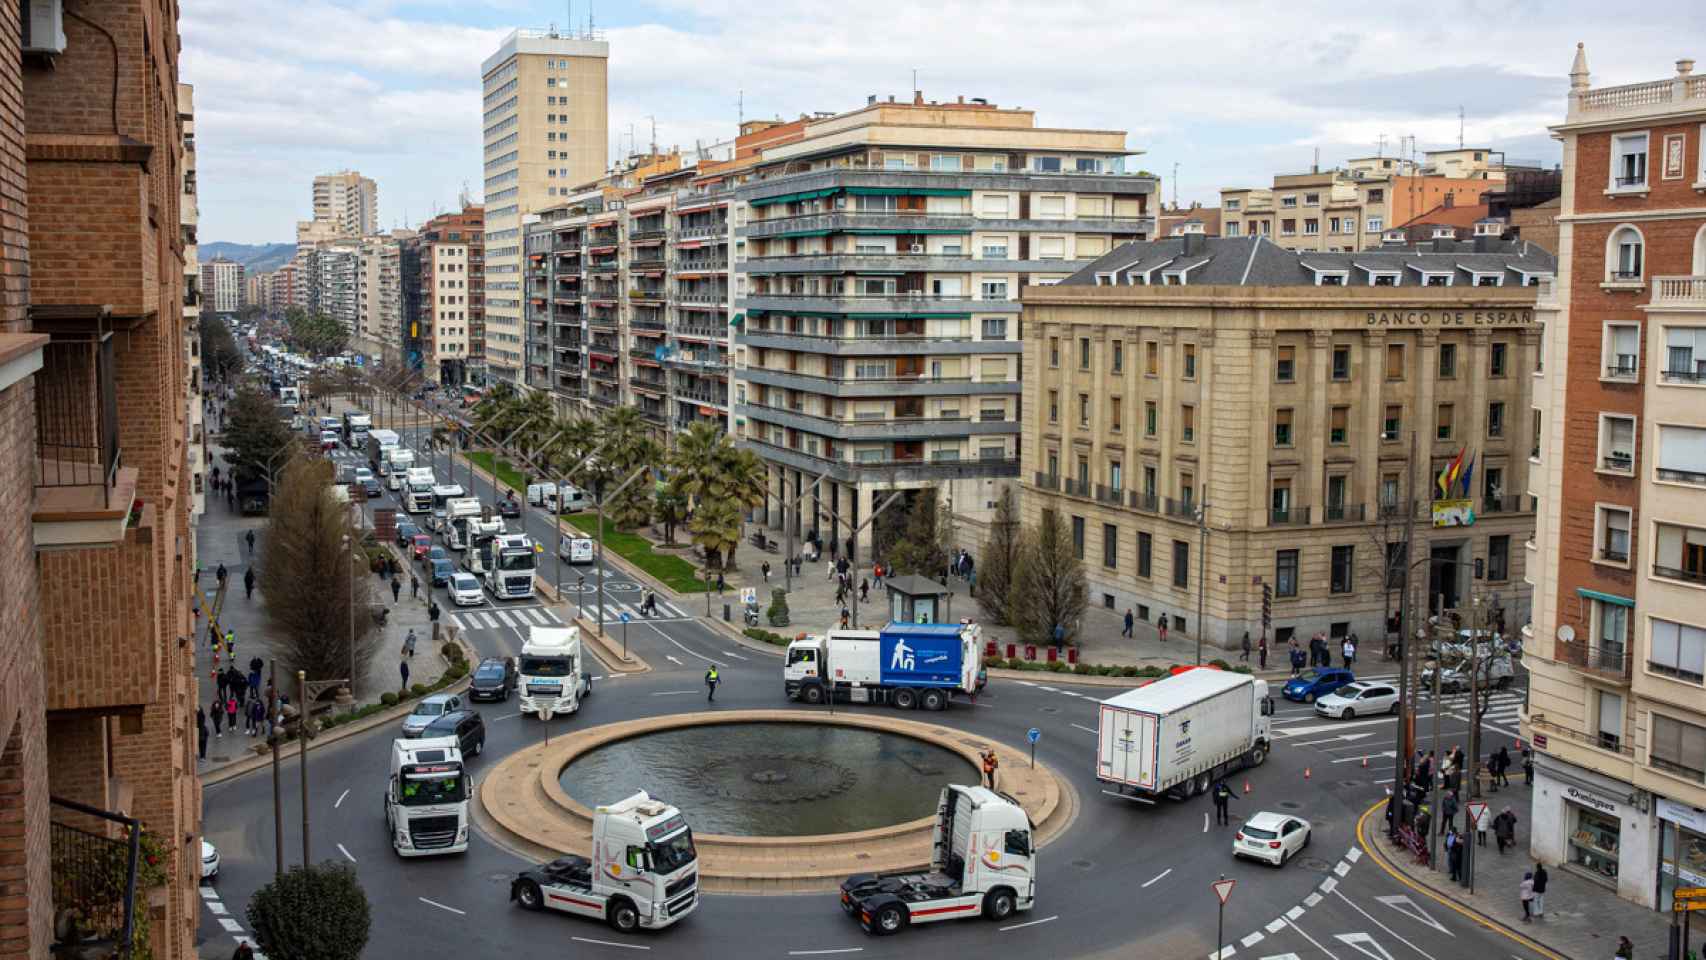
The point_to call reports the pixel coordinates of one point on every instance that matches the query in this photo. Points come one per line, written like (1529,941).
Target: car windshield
(516,561)
(547,666)
(674,853)
(1257,833)
(465,582)
(1350,690)
(1309,675)
(490,671)
(421,790)
(427,708)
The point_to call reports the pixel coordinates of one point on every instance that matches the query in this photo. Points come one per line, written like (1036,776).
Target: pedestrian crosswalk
(618,602)
(499,617)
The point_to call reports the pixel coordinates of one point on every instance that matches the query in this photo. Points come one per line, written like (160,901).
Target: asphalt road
(1125,879)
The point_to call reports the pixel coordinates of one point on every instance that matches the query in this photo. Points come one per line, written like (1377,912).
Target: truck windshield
(547,666)
(516,561)
(425,789)
(674,853)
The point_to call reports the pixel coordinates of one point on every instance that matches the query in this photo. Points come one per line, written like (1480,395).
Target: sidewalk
(1583,918)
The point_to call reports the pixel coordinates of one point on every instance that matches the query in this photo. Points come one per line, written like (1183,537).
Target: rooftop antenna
(1315,165)
(1380,146)
(1460,126)
(740,107)
(1175,184)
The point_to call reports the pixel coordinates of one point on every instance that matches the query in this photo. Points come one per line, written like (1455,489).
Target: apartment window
(945,162)
(1685,355)
(1341,363)
(994,289)
(1622,349)
(1496,419)
(1629,161)
(1234,229)
(1084,409)
(1083,353)
(1534,426)
(1682,455)
(1145,545)
(1678,650)
(1151,357)
(1116,476)
(1181,563)
(1377,196)
(1680,553)
(1332,224)
(1188,423)
(1613,536)
(1336,487)
(1050,208)
(1340,429)
(1344,569)
(1285,366)
(1190,361)
(1054,351)
(994,328)
(1118,351)
(1110,546)
(1045,164)
(1626,255)
(1496,358)
(1373,224)
(1288,201)
(1149,481)
(1054,406)
(1150,416)
(1231,204)
(1443,421)
(1282,427)
(1285,573)
(1447,361)
(1610,709)
(1393,424)
(994,248)
(1678,748)
(1078,537)
(1617,443)
(1187,488)
(1493,483)
(1311,227)
(1053,466)
(1288,228)
(995,205)
(1394,361)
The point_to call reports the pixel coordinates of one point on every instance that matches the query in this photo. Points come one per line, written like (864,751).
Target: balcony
(863,387)
(1619,463)
(686,392)
(853,471)
(702,296)
(84,494)
(700,265)
(960,260)
(1148,502)
(1185,508)
(876,428)
(1504,504)
(900,303)
(717,332)
(702,230)
(1625,369)
(100,601)
(1111,495)
(1697,375)
(1606,659)
(1288,516)
(1344,513)
(1696,575)
(1047,481)
(871,346)
(96,872)
(650,231)
(1077,488)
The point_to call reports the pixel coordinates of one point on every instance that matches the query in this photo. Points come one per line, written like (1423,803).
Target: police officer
(711,681)
(1222,797)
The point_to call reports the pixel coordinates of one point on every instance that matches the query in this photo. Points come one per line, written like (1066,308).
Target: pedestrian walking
(403,668)
(1161,626)
(409,644)
(1501,772)
(414,586)
(230,498)
(1130,621)
(220,684)
(711,680)
(220,573)
(433,611)
(249,538)
(1222,797)
(249,584)
(864,589)
(1540,879)
(198,575)
(1296,655)
(1349,652)
(765,568)
(1527,766)
(1059,636)
(1454,854)
(231,644)
(1244,647)
(1525,891)
(721,583)
(1504,829)
(1262,653)
(1448,809)
(396,589)
(201,732)
(990,764)
(231,713)
(243,952)
(649,607)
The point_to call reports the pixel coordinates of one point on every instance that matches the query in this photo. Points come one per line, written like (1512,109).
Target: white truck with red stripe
(1176,736)
(983,861)
(643,872)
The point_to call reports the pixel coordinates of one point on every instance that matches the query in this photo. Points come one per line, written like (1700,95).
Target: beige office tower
(545,122)
(348,200)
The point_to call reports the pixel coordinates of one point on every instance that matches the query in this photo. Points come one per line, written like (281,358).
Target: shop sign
(1590,800)
(1683,815)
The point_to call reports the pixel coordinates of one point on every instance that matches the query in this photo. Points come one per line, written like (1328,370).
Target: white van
(576,548)
(545,495)
(537,492)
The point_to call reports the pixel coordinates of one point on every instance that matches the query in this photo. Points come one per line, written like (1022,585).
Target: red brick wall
(96,605)
(1593,174)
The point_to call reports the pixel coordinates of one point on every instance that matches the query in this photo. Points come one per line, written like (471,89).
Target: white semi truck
(550,674)
(426,800)
(907,664)
(480,557)
(396,466)
(983,860)
(514,560)
(419,483)
(1176,736)
(442,494)
(460,515)
(642,873)
(379,444)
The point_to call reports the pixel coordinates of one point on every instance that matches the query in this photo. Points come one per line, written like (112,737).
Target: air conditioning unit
(916,248)
(44,26)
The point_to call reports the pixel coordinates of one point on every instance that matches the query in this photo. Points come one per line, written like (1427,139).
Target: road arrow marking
(1409,908)
(1339,738)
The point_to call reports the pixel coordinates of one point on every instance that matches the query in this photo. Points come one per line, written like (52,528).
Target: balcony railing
(1107,494)
(1679,573)
(1614,554)
(1186,508)
(1621,463)
(1048,481)
(95,875)
(1625,276)
(1682,476)
(1607,659)
(701,265)
(1679,291)
(1697,375)
(1077,488)
(1620,371)
(77,418)
(702,230)
(1288,516)
(1504,504)
(1546,727)
(1147,502)
(1345,512)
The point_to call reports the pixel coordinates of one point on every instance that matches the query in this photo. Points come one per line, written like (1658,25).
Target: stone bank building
(1221,414)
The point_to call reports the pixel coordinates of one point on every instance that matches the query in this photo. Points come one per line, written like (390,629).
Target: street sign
(1688,906)
(626,617)
(1223,889)
(1033,734)
(1477,812)
(1689,893)
(748,595)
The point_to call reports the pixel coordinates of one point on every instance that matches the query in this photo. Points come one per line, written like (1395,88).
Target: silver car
(428,710)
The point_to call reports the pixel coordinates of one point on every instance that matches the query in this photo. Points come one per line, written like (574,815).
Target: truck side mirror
(1267,706)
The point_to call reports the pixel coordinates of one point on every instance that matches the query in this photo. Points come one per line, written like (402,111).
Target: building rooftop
(1259,262)
(1449,215)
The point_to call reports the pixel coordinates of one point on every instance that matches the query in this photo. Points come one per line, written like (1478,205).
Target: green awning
(793,197)
(884,231)
(1585,593)
(908,192)
(797,233)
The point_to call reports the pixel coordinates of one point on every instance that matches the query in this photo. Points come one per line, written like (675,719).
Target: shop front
(1595,834)
(1594,827)
(1682,849)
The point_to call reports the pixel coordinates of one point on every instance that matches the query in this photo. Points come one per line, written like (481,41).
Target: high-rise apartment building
(282,294)
(378,309)
(545,124)
(451,282)
(97,692)
(1616,650)
(349,202)
(189,217)
(222,286)
(880,254)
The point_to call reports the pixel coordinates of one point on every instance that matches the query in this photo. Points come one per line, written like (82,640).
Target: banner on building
(1454,513)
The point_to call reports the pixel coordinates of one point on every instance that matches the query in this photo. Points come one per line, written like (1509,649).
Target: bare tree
(1049,588)
(995,569)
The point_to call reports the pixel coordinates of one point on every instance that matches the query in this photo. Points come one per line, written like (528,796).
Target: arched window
(1625,255)
(1700,253)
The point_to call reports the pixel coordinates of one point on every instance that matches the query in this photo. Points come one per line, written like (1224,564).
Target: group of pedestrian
(962,565)
(1261,650)
(234,693)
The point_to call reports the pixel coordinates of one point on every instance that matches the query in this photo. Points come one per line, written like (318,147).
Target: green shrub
(387,699)
(1149,671)
(1083,669)
(1220,664)
(1240,669)
(778,612)
(418,690)
(311,913)
(1057,666)
(451,652)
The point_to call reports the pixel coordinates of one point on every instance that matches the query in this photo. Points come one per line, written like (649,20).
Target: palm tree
(716,529)
(696,458)
(670,508)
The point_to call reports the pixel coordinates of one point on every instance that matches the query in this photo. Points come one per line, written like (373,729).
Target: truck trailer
(550,673)
(907,664)
(1176,736)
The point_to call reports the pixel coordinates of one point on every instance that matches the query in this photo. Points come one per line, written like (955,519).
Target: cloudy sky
(1230,91)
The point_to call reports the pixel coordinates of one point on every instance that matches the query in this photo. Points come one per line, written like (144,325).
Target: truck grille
(428,833)
(676,907)
(544,690)
(680,886)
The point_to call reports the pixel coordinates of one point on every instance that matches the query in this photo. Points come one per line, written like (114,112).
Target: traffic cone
(1306,773)
(1246,786)
(1365,763)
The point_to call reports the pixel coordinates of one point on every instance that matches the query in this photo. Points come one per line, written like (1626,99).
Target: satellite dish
(1567,633)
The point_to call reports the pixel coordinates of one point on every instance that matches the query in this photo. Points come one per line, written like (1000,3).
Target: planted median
(674,572)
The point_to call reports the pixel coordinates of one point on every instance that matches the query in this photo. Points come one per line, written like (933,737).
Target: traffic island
(524,806)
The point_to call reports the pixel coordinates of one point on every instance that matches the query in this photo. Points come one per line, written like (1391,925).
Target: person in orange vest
(989,765)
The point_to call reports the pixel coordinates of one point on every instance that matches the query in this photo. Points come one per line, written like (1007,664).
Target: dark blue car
(442,571)
(1316,682)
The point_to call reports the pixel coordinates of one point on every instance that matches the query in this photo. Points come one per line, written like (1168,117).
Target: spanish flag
(1448,476)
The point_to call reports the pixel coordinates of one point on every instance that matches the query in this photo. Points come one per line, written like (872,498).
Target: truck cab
(983,860)
(643,872)
(426,798)
(396,467)
(514,561)
(442,494)
(550,673)
(479,558)
(459,515)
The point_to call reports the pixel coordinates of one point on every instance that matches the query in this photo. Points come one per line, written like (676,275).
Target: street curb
(232,771)
(612,658)
(1426,888)
(733,633)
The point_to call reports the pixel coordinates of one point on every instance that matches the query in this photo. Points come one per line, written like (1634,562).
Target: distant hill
(255,257)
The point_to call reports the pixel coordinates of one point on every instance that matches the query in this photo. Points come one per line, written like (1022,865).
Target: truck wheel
(623,917)
(812,694)
(1258,755)
(889,920)
(933,700)
(998,904)
(527,893)
(1200,785)
(905,699)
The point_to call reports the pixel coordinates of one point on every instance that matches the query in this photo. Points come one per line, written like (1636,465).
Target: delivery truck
(380,443)
(642,872)
(426,799)
(550,675)
(907,664)
(1176,736)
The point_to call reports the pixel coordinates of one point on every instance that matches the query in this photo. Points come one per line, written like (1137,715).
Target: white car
(1362,697)
(465,590)
(1271,837)
(209,861)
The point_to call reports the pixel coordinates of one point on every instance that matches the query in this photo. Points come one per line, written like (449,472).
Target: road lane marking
(608,943)
(1205,822)
(340,800)
(672,659)
(1085,729)
(1278,924)
(1312,900)
(230,925)
(736,656)
(1028,923)
(217,907)
(1158,876)
(1253,939)
(672,693)
(819,953)
(1311,939)
(1383,927)
(1294,913)
(435,903)
(346,853)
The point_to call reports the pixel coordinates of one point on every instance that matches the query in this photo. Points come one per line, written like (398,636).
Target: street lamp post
(1202,573)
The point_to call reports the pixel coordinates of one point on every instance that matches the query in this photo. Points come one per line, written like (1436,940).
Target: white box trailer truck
(1175,736)
(379,443)
(396,466)
(907,664)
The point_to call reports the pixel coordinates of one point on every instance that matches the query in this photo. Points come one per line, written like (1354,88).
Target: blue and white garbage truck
(909,665)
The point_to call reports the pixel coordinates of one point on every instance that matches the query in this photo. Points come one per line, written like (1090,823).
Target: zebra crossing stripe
(487,621)
(504,616)
(551,615)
